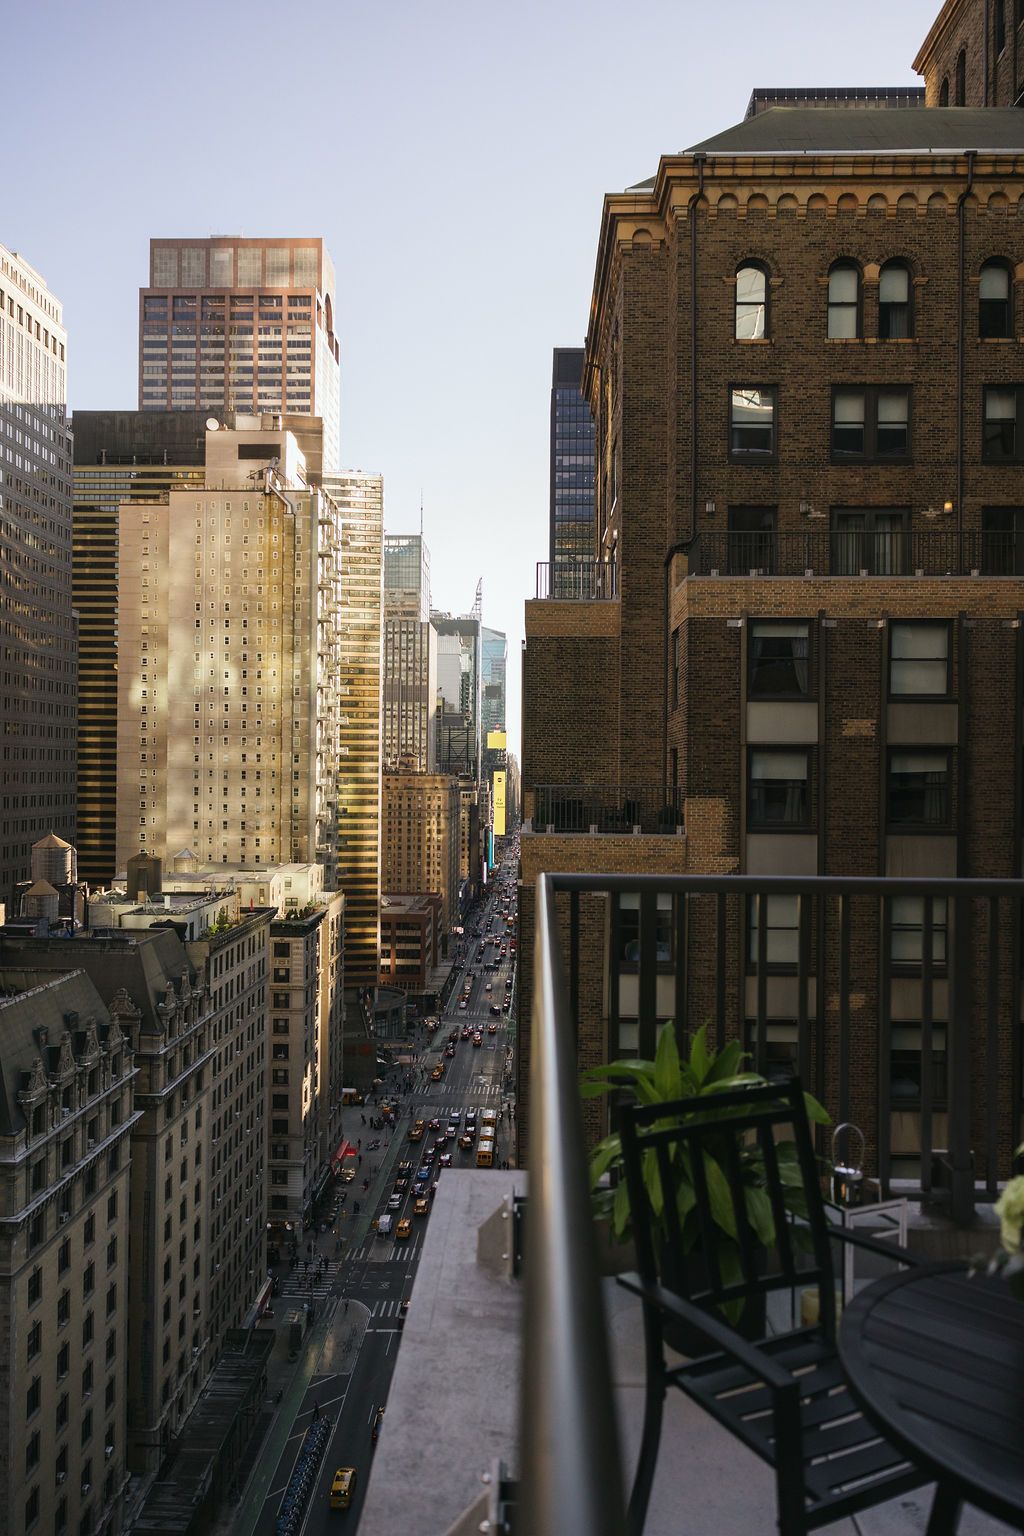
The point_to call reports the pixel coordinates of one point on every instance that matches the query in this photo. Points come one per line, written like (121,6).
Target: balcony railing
(712,950)
(844,552)
(577,581)
(604,808)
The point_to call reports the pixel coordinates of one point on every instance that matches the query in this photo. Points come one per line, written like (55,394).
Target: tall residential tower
(572,470)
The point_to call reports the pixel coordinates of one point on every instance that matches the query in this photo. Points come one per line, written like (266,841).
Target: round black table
(936,1359)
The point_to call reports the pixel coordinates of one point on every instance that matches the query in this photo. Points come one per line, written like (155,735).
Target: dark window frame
(752,266)
(1005,331)
(897,264)
(1016,456)
(902,698)
(870,454)
(756,823)
(960,79)
(868,535)
(753,455)
(845,264)
(941,827)
(777,623)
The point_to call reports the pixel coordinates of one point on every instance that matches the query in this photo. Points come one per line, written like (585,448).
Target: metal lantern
(848,1177)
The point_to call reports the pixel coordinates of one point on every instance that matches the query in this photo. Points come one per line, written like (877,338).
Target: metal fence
(648,808)
(578,580)
(857,552)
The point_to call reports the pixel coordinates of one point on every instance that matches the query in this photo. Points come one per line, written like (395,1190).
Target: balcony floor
(453,1405)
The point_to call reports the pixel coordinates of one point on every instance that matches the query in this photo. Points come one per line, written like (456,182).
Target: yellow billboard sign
(499,799)
(497,741)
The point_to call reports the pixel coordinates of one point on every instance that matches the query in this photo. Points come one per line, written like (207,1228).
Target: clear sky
(454,155)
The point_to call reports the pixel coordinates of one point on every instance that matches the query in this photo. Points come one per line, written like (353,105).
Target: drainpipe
(961,216)
(680,545)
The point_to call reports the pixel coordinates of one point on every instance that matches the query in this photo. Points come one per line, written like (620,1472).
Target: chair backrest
(712,1183)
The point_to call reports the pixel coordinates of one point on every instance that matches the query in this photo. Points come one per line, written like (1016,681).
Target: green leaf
(700,1061)
(731,1271)
(719,1197)
(816,1113)
(759,1213)
(606,1153)
(652,1184)
(666,1065)
(726,1064)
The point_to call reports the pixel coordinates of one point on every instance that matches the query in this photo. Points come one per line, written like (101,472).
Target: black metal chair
(785,1397)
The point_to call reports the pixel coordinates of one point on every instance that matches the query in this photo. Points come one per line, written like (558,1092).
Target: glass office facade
(572,470)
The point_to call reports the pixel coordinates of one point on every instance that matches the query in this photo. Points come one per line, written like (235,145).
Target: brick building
(799,632)
(973,55)
(410,939)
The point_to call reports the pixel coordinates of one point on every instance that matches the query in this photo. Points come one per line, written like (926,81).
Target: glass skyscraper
(573,535)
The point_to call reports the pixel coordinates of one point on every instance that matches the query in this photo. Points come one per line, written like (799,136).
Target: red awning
(346,1149)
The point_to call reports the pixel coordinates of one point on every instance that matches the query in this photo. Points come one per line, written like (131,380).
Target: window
(918,789)
(777,791)
(1001,440)
(894,312)
(1002,535)
(629,929)
(905,1065)
(751,304)
(995,315)
(907,927)
(844,302)
(1000,26)
(960,80)
(33,1397)
(870,423)
(919,660)
(778,658)
(752,421)
(944,92)
(868,539)
(676,651)
(781,939)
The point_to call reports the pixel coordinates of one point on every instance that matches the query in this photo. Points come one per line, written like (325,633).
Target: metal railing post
(570,1476)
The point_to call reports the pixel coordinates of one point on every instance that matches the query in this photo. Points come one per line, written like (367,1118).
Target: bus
(485,1153)
(489,1124)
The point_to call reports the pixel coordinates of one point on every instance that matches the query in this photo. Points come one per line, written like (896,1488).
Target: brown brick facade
(987,36)
(668,489)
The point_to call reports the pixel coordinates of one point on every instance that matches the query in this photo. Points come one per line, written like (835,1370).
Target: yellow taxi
(343,1487)
(416,1132)
(421,1206)
(404,1228)
(438,1073)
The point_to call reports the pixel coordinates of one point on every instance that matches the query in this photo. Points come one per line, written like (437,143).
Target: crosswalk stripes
(381,1309)
(295,1285)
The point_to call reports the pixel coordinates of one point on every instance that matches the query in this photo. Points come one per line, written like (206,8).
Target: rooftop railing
(857,552)
(577,581)
(607,808)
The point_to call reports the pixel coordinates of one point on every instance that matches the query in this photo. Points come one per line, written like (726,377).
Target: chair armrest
(891,1251)
(758,1364)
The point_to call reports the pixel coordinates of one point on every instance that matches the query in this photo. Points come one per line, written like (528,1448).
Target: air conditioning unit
(90,1142)
(108,1451)
(86,1488)
(64,1216)
(61,1478)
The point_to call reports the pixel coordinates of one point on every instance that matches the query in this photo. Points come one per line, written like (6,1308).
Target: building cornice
(944,19)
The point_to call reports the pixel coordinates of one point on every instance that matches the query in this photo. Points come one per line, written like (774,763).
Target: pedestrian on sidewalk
(316,1411)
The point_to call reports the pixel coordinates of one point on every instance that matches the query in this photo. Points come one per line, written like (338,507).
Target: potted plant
(700,1075)
(1008,1259)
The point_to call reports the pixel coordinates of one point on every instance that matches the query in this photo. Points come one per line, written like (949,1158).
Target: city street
(352,1375)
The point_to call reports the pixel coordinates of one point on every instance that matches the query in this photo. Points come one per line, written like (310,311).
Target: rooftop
(868,130)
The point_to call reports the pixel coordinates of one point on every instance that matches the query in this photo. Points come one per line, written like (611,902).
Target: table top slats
(936,1360)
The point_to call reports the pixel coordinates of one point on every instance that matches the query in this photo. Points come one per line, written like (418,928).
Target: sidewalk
(331,1346)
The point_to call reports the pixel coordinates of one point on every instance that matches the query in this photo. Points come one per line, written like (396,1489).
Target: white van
(384,1225)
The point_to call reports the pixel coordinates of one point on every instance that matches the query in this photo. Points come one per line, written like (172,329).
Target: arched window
(960,97)
(751,303)
(1000,26)
(944,92)
(995,315)
(895,317)
(844,301)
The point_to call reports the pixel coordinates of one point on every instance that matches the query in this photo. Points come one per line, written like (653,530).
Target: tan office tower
(422,835)
(119,456)
(38,640)
(360,499)
(246,325)
(227,716)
